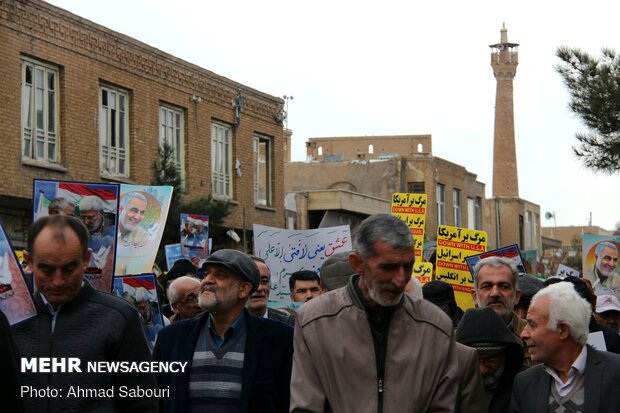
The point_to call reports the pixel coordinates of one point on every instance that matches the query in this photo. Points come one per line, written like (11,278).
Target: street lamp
(286,98)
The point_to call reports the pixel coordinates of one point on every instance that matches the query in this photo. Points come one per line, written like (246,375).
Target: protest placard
(142,214)
(194,234)
(15,299)
(96,205)
(600,263)
(411,208)
(286,251)
(140,291)
(564,271)
(454,245)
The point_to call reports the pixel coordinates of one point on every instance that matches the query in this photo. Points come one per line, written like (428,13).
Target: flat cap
(238,262)
(439,293)
(336,271)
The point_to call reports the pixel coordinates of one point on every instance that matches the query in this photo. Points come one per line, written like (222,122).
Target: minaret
(504,60)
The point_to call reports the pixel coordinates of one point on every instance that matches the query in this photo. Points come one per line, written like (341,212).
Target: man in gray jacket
(369,347)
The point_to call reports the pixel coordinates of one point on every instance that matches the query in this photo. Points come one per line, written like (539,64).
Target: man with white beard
(369,346)
(237,362)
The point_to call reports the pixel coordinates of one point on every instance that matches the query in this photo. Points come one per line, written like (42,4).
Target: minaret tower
(504,60)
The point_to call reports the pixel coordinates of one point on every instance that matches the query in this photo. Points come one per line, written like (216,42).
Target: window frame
(114,157)
(28,108)
(456,206)
(440,192)
(177,130)
(222,179)
(257,140)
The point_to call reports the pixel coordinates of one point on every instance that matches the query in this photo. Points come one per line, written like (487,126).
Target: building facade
(374,167)
(81,102)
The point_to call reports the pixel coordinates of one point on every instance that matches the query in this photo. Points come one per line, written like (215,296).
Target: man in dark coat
(499,353)
(236,362)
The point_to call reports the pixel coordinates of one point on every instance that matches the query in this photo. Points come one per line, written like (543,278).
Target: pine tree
(594,88)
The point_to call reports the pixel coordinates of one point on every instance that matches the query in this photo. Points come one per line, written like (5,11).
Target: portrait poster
(454,245)
(194,234)
(287,251)
(97,206)
(411,208)
(173,254)
(600,263)
(142,213)
(15,299)
(512,251)
(141,292)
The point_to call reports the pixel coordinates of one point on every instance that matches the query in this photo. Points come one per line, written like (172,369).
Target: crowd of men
(359,343)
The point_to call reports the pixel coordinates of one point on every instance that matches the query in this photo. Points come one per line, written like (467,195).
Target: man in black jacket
(76,321)
(499,353)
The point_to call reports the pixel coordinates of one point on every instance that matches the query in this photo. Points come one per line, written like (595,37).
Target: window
(262,170)
(441,204)
(171,131)
(456,206)
(474,219)
(221,160)
(528,229)
(39,111)
(415,187)
(114,131)
(536,231)
(371,149)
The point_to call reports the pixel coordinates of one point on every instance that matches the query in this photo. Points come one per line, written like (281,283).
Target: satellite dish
(549,215)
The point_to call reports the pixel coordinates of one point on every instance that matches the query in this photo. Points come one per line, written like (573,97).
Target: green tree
(594,88)
(165,172)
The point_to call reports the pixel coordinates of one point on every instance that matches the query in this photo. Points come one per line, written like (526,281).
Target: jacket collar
(356,295)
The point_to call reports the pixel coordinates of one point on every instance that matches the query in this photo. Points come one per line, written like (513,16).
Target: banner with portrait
(142,213)
(141,292)
(97,206)
(194,234)
(15,299)
(600,263)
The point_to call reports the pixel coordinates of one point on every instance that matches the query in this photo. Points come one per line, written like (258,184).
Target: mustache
(211,288)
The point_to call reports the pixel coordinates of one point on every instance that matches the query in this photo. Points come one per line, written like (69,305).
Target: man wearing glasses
(183,298)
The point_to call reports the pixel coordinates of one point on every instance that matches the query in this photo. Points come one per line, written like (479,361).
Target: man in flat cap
(236,362)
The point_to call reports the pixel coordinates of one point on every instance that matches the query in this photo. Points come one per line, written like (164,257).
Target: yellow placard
(453,246)
(423,271)
(411,208)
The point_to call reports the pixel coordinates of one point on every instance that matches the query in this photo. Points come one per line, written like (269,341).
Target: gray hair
(381,227)
(131,195)
(566,305)
(90,202)
(601,245)
(173,294)
(496,262)
(58,204)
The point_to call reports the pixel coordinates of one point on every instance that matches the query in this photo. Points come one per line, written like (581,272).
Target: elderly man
(495,286)
(572,376)
(131,212)
(605,279)
(369,347)
(257,304)
(101,233)
(61,206)
(237,362)
(500,354)
(304,286)
(75,320)
(183,298)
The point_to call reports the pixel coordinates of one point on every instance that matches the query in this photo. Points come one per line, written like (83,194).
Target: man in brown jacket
(369,347)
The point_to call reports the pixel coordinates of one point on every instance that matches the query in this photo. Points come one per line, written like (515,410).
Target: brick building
(82,102)
(373,168)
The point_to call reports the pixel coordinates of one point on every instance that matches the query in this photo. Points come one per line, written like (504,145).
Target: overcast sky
(401,68)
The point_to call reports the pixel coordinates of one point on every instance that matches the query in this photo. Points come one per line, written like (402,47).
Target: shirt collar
(234,327)
(578,368)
